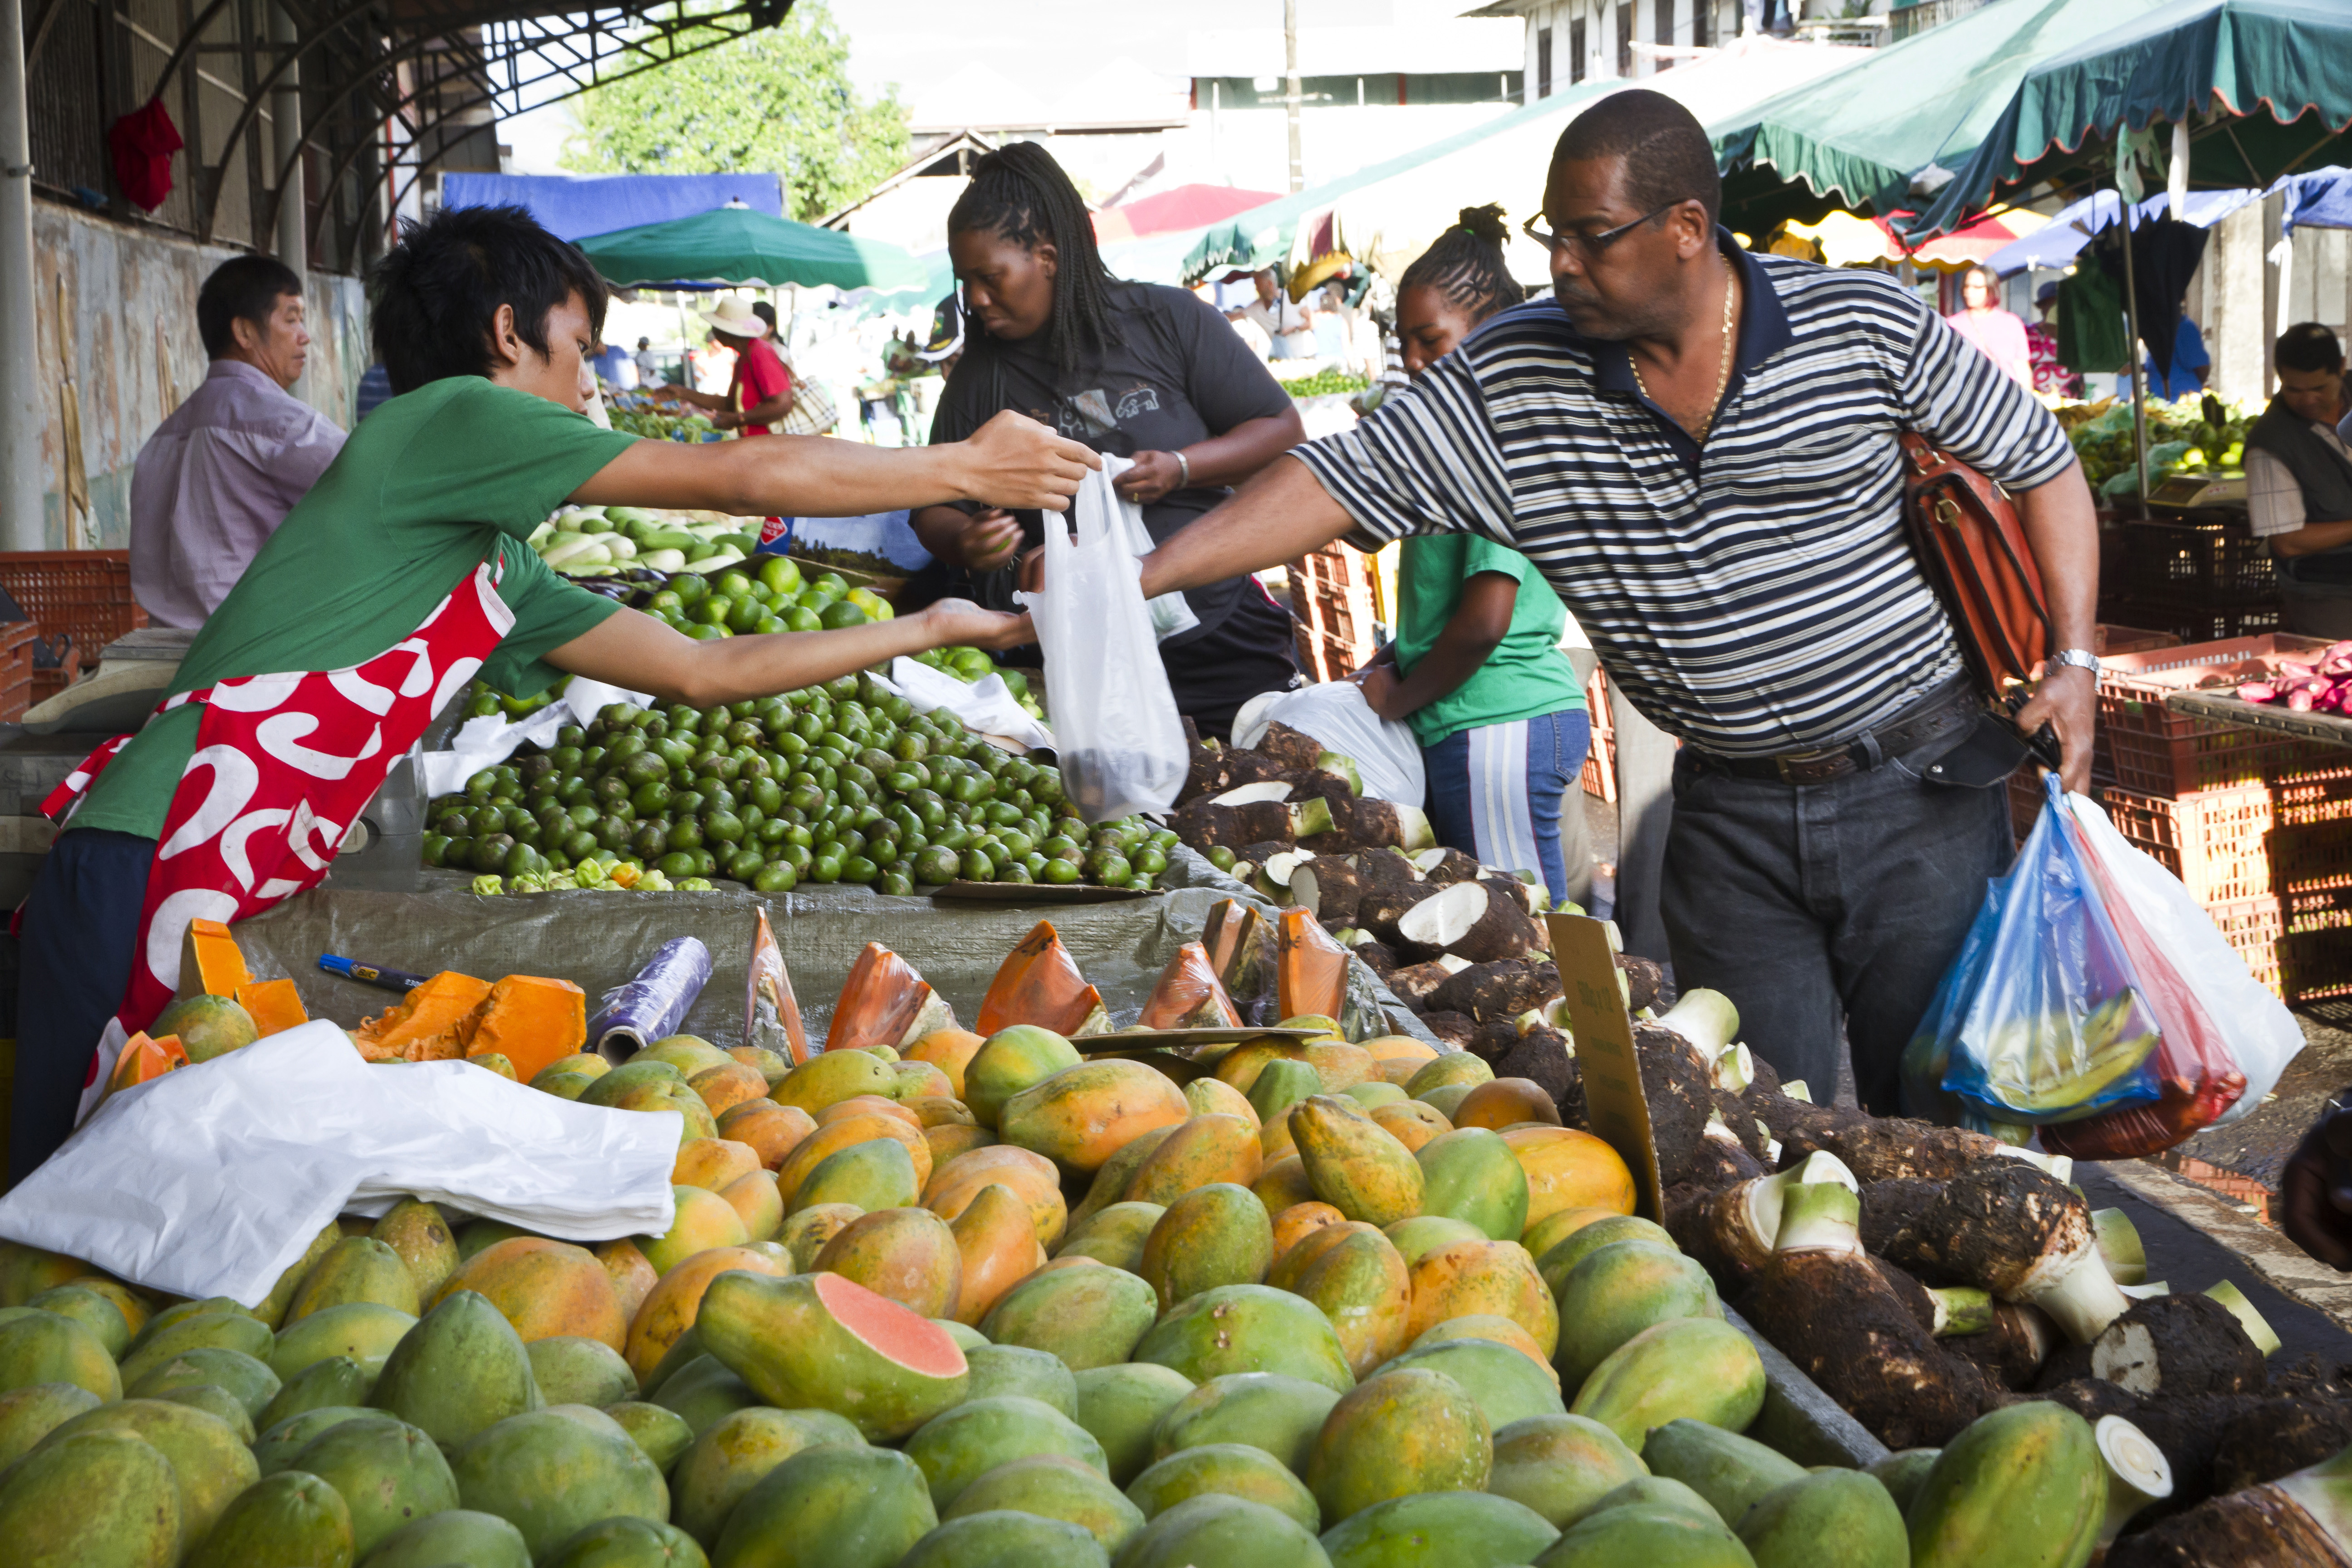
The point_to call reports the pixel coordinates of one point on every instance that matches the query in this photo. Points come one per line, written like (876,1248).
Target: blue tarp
(575,207)
(2057,243)
(2321,198)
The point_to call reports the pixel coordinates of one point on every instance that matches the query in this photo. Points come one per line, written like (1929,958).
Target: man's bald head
(1664,152)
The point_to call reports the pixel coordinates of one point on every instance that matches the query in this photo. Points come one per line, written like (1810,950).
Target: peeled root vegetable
(2172,1345)
(1477,920)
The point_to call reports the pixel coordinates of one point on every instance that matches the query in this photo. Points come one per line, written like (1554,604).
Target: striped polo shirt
(1753,596)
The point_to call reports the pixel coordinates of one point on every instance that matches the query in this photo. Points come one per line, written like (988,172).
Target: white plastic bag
(1169,612)
(1119,739)
(1388,758)
(485,742)
(211,1180)
(986,705)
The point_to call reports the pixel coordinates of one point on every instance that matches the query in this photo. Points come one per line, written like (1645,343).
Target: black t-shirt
(1179,375)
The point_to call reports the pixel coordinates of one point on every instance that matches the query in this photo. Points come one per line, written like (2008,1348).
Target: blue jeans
(1494,790)
(81,934)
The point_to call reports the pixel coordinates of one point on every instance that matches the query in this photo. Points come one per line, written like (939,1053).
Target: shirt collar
(1763,332)
(237,370)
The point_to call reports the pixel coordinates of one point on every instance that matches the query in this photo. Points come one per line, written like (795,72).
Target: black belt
(1954,709)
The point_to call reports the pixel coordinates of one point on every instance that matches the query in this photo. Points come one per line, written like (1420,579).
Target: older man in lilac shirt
(217,478)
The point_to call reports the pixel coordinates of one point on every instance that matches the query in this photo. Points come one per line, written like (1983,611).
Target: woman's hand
(988,541)
(1381,688)
(1152,477)
(726,419)
(960,623)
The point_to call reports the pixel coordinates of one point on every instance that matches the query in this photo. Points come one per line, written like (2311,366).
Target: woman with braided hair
(1476,667)
(1137,370)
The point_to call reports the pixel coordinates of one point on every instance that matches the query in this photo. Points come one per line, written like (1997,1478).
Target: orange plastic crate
(82,594)
(2147,748)
(16,640)
(2273,840)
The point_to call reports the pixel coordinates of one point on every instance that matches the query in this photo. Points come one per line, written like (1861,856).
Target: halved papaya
(425,1025)
(143,1058)
(211,963)
(1039,983)
(768,1007)
(276,1005)
(1189,995)
(531,1020)
(885,1001)
(1312,974)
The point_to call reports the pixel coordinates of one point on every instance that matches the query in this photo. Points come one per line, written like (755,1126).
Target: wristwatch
(2081,657)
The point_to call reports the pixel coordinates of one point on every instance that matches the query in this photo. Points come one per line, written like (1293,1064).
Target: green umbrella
(1856,140)
(739,246)
(2264,86)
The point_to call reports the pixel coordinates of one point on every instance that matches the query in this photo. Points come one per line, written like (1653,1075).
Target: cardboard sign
(1615,1105)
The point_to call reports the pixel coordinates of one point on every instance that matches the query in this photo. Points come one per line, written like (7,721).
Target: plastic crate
(2147,748)
(83,594)
(2275,841)
(1599,776)
(16,640)
(2128,639)
(2195,621)
(1331,599)
(2198,563)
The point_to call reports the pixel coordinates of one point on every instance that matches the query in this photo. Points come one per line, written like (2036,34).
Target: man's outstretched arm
(1280,515)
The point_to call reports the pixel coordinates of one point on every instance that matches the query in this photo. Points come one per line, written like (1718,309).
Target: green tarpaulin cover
(737,245)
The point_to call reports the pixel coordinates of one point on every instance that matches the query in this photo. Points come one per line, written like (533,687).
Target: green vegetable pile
(601,542)
(973,665)
(1323,383)
(843,782)
(661,425)
(2179,438)
(776,599)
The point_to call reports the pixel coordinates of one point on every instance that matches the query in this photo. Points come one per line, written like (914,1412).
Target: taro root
(1733,1113)
(1293,750)
(1481,921)
(1385,904)
(2014,1345)
(1720,1161)
(1329,887)
(1736,1229)
(1828,1308)
(1494,1040)
(1702,1023)
(2263,1526)
(1644,980)
(1205,761)
(2275,1438)
(1767,1079)
(1372,953)
(2265,1337)
(1456,1030)
(2119,1244)
(1542,1056)
(1895,1148)
(1801,1127)
(1362,822)
(1500,990)
(1888,1207)
(1414,983)
(2009,1228)
(1250,814)
(2178,1345)
(1681,1097)
(2137,1473)
(1387,869)
(1441,866)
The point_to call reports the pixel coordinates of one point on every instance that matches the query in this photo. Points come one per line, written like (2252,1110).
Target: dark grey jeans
(1813,904)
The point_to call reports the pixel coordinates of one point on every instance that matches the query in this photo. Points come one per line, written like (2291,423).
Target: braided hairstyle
(1019,193)
(1466,265)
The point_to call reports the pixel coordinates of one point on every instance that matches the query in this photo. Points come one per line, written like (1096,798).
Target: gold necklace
(1722,373)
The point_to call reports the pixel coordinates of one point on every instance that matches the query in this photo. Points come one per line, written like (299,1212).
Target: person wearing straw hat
(762,393)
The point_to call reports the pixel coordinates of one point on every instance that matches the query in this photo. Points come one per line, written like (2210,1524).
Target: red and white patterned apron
(283,764)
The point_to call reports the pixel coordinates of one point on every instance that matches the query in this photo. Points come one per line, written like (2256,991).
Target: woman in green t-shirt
(1476,667)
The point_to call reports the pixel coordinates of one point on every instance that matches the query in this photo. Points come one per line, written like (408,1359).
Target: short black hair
(766,312)
(1466,266)
(2307,346)
(1019,193)
(437,292)
(1669,157)
(242,288)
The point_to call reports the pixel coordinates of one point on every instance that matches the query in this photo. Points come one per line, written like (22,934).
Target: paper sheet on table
(211,1180)
(485,742)
(986,705)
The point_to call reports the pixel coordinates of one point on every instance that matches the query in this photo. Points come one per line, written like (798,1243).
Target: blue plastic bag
(2039,1017)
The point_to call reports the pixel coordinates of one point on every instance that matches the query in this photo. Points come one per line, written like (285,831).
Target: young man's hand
(960,623)
(1378,683)
(1012,461)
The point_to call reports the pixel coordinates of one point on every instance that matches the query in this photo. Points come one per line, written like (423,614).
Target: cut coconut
(2119,1244)
(885,1001)
(1473,920)
(2137,1472)
(1039,983)
(2265,1337)
(1961,1310)
(1189,995)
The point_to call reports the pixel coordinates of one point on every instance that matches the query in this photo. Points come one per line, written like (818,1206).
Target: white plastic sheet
(1335,712)
(211,1180)
(487,742)
(986,705)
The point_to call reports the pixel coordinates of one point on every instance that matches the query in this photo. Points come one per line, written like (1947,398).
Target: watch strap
(2081,657)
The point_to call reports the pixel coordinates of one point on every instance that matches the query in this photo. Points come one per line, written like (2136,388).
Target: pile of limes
(841,783)
(773,598)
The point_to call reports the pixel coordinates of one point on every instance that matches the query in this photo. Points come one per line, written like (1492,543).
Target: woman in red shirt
(761,392)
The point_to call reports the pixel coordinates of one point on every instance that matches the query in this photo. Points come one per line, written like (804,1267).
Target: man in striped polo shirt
(1697,445)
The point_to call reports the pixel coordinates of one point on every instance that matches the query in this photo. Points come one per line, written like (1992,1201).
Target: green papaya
(457,1535)
(1262,1409)
(1228,1531)
(1247,1328)
(336,1380)
(1651,1536)
(387,1471)
(29,1414)
(1619,1290)
(551,1473)
(1476,1528)
(254,1385)
(1560,1466)
(1226,1469)
(1054,1486)
(38,1347)
(830,1507)
(287,1520)
(94,1500)
(1731,1472)
(1471,1175)
(1002,1538)
(1835,1516)
(957,1447)
(1088,1317)
(1698,1367)
(1122,1407)
(2020,1488)
(737,1453)
(1016,1369)
(661,1435)
(459,1371)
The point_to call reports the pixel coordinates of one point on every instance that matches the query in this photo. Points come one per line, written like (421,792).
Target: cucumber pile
(599,542)
(843,782)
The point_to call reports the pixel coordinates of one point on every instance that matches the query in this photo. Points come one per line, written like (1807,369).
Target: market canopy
(572,206)
(737,246)
(1856,141)
(1180,207)
(2057,243)
(2265,87)
(2321,198)
(1846,241)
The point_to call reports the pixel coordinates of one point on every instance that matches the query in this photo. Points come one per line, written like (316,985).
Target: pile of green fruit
(771,597)
(1324,383)
(971,665)
(659,424)
(2181,436)
(599,541)
(842,783)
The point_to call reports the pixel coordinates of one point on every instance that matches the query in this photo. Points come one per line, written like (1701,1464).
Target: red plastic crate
(2147,748)
(2265,841)
(16,640)
(84,594)
(1599,776)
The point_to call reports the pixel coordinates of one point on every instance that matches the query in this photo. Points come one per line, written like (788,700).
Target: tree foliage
(780,100)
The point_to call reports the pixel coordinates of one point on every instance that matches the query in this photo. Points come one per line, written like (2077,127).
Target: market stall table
(2331,729)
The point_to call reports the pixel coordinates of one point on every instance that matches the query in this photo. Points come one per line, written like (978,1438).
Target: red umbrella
(1180,207)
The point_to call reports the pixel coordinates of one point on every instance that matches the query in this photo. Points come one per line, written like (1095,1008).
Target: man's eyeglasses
(1589,247)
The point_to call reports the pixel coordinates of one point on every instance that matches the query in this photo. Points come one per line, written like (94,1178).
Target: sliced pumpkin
(1311,972)
(529,1020)
(427,1023)
(885,1001)
(276,1005)
(211,963)
(1039,983)
(768,1007)
(1189,995)
(1241,949)
(143,1060)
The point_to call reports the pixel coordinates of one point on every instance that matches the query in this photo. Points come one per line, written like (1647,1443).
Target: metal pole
(1290,95)
(285,115)
(2138,370)
(22,425)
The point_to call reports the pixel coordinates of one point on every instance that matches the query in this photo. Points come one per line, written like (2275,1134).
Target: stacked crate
(2257,826)
(1599,776)
(1331,600)
(2202,581)
(81,600)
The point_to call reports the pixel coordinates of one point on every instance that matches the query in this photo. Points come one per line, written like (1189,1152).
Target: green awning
(1856,140)
(2266,87)
(739,246)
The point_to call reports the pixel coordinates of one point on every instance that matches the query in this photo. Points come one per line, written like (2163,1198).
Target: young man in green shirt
(402,575)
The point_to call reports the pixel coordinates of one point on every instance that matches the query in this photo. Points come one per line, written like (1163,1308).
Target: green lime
(815,599)
(837,616)
(700,633)
(779,574)
(769,623)
(833,582)
(801,618)
(665,599)
(733,584)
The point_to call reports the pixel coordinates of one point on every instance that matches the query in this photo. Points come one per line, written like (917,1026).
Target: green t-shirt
(429,486)
(1525,676)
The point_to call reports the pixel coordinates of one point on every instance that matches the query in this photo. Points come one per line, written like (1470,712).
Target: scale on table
(2199,496)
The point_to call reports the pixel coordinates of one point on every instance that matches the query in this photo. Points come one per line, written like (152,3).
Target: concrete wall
(126,324)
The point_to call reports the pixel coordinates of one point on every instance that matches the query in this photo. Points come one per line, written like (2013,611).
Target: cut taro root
(1328,888)
(1741,1226)
(2009,1228)
(1719,1161)
(1501,990)
(2276,1437)
(2014,1346)
(885,1002)
(2178,1345)
(1189,995)
(1290,749)
(1414,983)
(1250,813)
(1205,765)
(1364,822)
(1644,978)
(1311,970)
(1455,1028)
(1344,767)
(1960,1310)
(1447,865)
(1039,983)
(2258,1329)
(1387,868)
(2119,1246)
(1477,920)
(2137,1473)
(1241,949)
(1385,904)
(1245,766)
